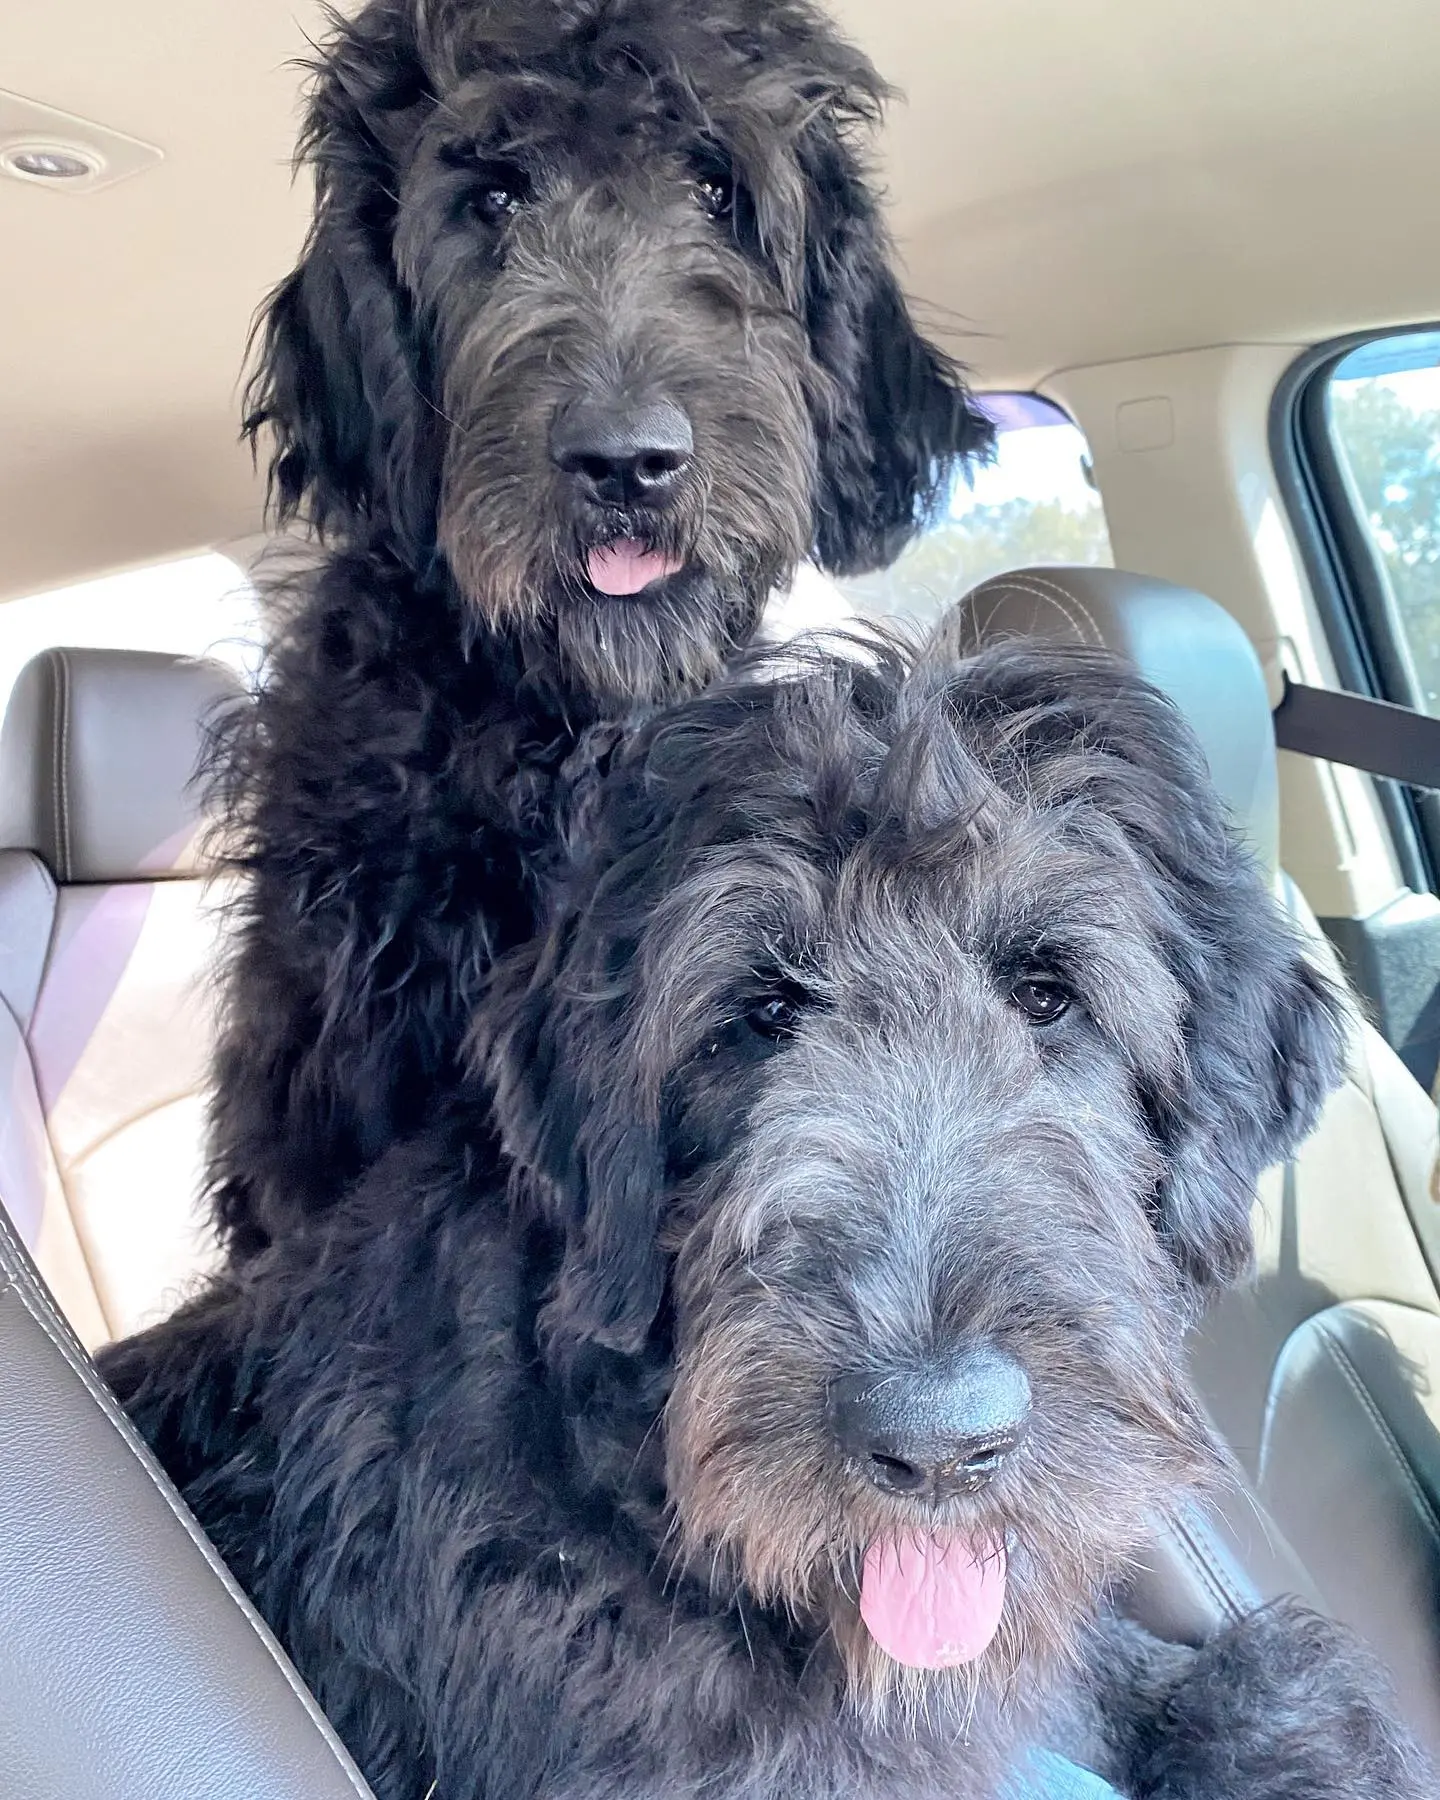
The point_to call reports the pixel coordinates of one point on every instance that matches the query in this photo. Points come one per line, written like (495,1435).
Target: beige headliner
(1079,180)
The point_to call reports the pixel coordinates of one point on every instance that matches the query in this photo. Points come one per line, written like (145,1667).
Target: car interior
(1187,257)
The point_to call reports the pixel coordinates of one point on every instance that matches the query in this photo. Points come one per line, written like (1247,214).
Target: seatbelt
(1373,735)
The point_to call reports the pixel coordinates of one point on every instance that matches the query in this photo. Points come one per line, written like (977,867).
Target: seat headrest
(98,752)
(1186,645)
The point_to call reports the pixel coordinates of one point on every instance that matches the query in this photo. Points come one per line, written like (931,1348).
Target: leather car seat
(1324,1372)
(131,1666)
(107,934)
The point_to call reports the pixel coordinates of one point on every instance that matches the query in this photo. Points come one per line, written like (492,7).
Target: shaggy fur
(889,1015)
(525,208)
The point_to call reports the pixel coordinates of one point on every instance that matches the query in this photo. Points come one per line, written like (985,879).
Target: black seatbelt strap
(1373,735)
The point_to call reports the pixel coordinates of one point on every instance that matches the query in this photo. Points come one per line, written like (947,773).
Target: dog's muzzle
(932,1598)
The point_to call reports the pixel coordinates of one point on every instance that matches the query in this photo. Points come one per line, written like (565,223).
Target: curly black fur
(524,206)
(531,1463)
(1284,1705)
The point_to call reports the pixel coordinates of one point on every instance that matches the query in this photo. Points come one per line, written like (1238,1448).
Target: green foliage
(951,559)
(1393,454)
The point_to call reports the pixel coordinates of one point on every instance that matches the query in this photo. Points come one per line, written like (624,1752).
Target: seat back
(1323,1373)
(108,931)
(131,1666)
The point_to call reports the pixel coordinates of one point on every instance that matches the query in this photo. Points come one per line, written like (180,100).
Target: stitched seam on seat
(39,1308)
(1228,1597)
(1199,1568)
(1054,597)
(77,1162)
(1344,1362)
(1038,588)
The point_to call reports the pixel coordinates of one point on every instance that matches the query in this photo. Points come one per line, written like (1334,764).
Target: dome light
(50,162)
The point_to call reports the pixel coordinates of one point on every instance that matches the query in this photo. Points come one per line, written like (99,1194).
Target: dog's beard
(520,568)
(670,638)
(667,640)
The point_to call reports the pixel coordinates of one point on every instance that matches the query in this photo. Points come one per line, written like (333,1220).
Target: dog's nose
(935,1432)
(622,456)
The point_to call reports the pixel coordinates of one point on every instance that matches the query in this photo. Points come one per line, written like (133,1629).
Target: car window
(196,606)
(1384,417)
(1035,503)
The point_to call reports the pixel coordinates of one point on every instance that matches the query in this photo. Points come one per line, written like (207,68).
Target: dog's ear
(1265,1049)
(581,1031)
(579,1122)
(574,1036)
(339,377)
(1264,1030)
(903,420)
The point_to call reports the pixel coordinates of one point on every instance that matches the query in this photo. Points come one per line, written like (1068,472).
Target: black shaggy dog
(594,338)
(884,1099)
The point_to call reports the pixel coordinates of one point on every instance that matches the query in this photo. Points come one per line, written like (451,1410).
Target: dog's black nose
(934,1432)
(619,455)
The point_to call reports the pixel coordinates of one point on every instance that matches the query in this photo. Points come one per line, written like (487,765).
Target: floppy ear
(1264,1029)
(340,373)
(903,418)
(577,1072)
(580,1128)
(1266,1049)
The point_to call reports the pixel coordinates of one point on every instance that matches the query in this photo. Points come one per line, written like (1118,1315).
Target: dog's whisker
(738,1603)
(655,1425)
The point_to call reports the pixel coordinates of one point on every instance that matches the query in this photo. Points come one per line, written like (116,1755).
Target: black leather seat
(131,1666)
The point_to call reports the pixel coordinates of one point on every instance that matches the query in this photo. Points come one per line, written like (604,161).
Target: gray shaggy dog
(881,1104)
(595,336)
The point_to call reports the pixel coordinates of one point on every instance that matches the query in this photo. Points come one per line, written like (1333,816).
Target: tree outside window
(1385,415)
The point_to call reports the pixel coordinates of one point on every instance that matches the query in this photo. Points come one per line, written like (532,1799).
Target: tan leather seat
(131,1667)
(107,934)
(1324,1372)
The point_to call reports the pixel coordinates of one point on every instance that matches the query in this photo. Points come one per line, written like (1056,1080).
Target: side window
(1036,503)
(1356,437)
(1384,418)
(197,606)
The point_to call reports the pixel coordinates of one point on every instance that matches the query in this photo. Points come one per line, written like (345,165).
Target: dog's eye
(715,195)
(775,1017)
(1042,998)
(497,201)
(496,190)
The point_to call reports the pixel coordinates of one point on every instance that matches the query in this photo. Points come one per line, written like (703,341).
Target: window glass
(199,606)
(1384,409)
(1036,503)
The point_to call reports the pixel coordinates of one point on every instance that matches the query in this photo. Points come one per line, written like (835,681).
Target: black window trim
(1347,578)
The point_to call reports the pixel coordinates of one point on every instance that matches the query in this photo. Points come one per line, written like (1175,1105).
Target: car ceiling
(1071,182)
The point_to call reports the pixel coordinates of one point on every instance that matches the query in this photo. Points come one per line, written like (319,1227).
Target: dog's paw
(1286,1705)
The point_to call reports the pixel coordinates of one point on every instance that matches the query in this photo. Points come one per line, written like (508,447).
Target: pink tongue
(626,566)
(932,1605)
